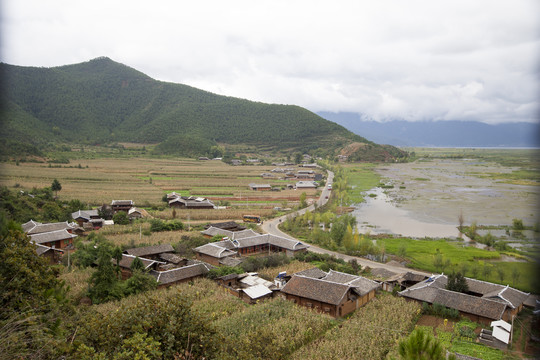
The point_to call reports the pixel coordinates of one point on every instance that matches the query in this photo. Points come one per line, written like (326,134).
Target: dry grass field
(146,180)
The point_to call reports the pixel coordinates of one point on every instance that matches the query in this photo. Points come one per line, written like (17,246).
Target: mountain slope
(440,133)
(103,101)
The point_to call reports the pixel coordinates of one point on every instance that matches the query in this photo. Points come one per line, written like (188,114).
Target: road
(272,227)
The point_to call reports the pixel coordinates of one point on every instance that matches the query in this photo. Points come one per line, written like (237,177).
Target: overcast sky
(414,60)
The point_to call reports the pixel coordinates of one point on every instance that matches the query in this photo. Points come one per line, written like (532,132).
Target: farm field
(145,180)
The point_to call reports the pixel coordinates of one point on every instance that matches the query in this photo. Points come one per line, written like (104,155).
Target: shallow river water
(379,215)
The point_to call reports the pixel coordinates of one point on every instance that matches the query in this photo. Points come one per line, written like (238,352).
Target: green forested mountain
(101,101)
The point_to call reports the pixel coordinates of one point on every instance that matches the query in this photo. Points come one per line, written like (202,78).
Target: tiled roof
(43,228)
(29,225)
(312,273)
(230,261)
(150,250)
(316,289)
(42,249)
(434,290)
(84,214)
(213,231)
(191,201)
(122,202)
(214,250)
(172,258)
(181,273)
(360,284)
(227,225)
(52,236)
(384,274)
(127,260)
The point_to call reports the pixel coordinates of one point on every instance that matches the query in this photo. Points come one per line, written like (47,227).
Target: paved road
(272,227)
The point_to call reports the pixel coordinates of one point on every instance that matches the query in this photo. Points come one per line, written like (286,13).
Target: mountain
(102,101)
(440,133)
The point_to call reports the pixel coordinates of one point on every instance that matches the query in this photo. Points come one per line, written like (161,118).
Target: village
(337,294)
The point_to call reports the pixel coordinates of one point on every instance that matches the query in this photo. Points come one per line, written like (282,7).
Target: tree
(56,187)
(140,281)
(461,221)
(303,203)
(457,282)
(137,264)
(117,255)
(104,285)
(500,272)
(121,218)
(421,345)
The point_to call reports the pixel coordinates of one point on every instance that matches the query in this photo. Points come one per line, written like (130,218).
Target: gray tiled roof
(312,273)
(213,231)
(122,202)
(316,289)
(150,250)
(42,238)
(84,214)
(181,273)
(43,228)
(466,303)
(214,250)
(29,225)
(127,260)
(42,249)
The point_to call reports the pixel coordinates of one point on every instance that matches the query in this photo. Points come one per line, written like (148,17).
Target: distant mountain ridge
(102,101)
(440,133)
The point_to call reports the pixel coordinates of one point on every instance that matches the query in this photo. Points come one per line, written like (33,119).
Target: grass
(360,177)
(421,254)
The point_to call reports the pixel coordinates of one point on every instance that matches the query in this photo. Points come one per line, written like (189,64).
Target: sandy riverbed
(438,191)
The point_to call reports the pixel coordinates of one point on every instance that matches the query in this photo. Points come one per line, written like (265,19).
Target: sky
(386,60)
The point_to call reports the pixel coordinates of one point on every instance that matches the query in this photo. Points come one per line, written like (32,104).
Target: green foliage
(32,300)
(440,310)
(137,264)
(121,218)
(254,263)
(220,271)
(457,282)
(421,345)
(139,282)
(101,101)
(56,186)
(157,225)
(517,224)
(166,324)
(104,285)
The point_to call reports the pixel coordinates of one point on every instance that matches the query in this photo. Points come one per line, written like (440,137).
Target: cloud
(445,60)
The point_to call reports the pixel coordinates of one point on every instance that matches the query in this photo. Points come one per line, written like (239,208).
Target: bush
(121,218)
(157,225)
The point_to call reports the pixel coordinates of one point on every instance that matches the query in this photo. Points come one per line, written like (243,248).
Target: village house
(483,303)
(58,239)
(334,293)
(127,260)
(259,245)
(188,272)
(150,252)
(260,187)
(88,218)
(248,286)
(136,213)
(121,205)
(230,235)
(390,280)
(33,227)
(52,255)
(226,225)
(306,185)
(191,202)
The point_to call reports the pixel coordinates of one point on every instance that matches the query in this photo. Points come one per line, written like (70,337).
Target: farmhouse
(51,254)
(191,202)
(121,205)
(33,227)
(248,286)
(306,185)
(58,239)
(334,293)
(215,253)
(127,260)
(227,225)
(231,235)
(150,252)
(260,187)
(136,213)
(483,303)
(85,216)
(192,270)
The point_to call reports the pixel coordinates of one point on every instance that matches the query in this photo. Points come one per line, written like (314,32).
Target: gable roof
(360,284)
(181,273)
(150,250)
(213,231)
(51,236)
(122,202)
(29,225)
(39,228)
(257,291)
(312,273)
(432,290)
(127,260)
(42,249)
(214,250)
(316,289)
(84,214)
(192,201)
(226,225)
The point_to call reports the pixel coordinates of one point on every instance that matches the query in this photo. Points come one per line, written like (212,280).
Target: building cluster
(178,201)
